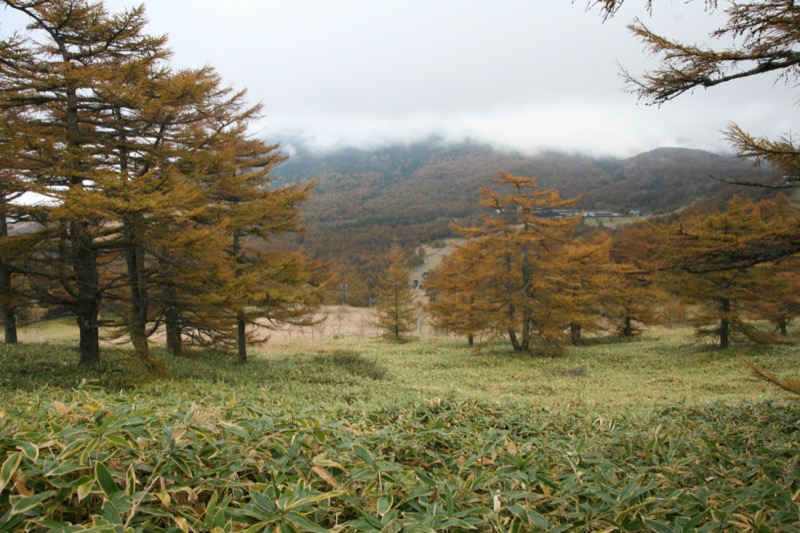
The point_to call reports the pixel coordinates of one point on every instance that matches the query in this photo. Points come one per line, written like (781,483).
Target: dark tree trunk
(527,312)
(783,326)
(173,326)
(627,330)
(8,310)
(512,335)
(137,325)
(10,324)
(241,337)
(724,324)
(575,332)
(470,341)
(87,278)
(83,254)
(241,333)
(89,333)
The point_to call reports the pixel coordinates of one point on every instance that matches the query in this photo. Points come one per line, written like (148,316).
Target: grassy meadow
(656,434)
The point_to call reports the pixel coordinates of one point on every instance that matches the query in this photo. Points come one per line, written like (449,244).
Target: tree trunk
(241,333)
(89,332)
(83,254)
(470,341)
(627,330)
(783,326)
(724,324)
(8,310)
(10,324)
(241,336)
(84,265)
(137,322)
(527,312)
(173,327)
(575,332)
(512,335)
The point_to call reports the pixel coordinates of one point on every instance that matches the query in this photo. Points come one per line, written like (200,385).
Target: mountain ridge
(365,200)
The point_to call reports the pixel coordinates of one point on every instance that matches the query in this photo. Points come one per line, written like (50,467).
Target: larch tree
(151,181)
(781,304)
(264,282)
(577,270)
(518,239)
(724,296)
(60,80)
(632,292)
(395,309)
(756,38)
(457,293)
(12,188)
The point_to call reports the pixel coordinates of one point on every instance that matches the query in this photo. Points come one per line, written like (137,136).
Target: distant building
(600,214)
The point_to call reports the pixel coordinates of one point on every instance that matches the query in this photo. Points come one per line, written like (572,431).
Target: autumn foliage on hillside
(412,195)
(542,280)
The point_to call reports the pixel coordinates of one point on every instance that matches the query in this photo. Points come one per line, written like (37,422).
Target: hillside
(365,200)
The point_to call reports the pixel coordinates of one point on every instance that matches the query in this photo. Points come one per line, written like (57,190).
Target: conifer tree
(632,294)
(516,240)
(263,281)
(140,165)
(65,84)
(457,293)
(757,38)
(395,308)
(781,303)
(722,296)
(11,190)
(577,270)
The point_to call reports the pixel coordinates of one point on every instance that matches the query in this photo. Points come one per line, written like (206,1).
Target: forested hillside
(366,200)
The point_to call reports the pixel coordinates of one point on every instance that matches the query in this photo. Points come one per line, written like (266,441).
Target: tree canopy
(756,38)
(150,182)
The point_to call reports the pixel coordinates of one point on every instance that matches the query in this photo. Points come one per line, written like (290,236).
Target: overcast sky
(520,74)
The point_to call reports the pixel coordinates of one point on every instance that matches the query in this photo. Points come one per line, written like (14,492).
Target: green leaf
(111,513)
(118,440)
(384,505)
(658,527)
(538,520)
(66,467)
(365,456)
(23,504)
(130,480)
(303,523)
(105,480)
(10,466)
(30,450)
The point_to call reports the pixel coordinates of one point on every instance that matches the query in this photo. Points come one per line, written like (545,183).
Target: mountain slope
(366,200)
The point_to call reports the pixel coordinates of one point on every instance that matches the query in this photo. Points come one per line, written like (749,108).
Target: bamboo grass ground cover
(422,436)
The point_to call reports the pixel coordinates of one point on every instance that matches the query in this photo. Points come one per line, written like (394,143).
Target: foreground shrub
(124,462)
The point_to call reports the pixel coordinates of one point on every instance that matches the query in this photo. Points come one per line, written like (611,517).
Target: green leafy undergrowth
(133,462)
(29,366)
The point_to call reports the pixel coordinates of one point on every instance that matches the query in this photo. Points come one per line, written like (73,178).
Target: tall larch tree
(781,303)
(724,296)
(457,293)
(756,38)
(395,308)
(152,184)
(518,240)
(12,187)
(633,295)
(265,282)
(577,270)
(60,76)
(152,196)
